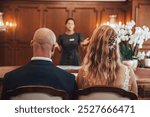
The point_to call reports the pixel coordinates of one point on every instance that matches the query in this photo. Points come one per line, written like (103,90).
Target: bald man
(40,70)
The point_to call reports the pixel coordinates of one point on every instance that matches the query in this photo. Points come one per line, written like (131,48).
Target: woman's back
(102,64)
(124,79)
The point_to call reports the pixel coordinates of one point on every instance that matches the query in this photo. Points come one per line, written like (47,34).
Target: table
(70,69)
(143,81)
(5,69)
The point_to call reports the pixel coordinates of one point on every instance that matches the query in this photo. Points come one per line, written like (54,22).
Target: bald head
(44,35)
(43,42)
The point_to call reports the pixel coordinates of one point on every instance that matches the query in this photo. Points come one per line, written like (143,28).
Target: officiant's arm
(85,42)
(59,48)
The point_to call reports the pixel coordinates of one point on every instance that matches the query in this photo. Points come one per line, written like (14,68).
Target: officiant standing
(69,42)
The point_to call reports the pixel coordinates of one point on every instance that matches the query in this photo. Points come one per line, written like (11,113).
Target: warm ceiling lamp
(2,26)
(8,25)
(112,21)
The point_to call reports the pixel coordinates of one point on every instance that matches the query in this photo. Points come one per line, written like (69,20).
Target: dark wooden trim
(36,89)
(121,92)
(71,0)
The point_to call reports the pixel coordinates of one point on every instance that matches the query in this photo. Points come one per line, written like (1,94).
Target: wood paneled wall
(30,15)
(141,14)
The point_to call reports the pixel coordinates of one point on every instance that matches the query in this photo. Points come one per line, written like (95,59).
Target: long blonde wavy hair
(101,59)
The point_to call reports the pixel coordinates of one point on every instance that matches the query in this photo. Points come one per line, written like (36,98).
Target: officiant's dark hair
(70,19)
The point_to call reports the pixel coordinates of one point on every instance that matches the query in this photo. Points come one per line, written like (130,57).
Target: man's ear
(31,43)
(53,49)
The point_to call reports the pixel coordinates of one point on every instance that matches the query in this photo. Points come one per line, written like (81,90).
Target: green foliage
(126,51)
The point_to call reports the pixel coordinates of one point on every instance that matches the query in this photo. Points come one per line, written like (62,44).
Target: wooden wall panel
(142,14)
(23,54)
(86,20)
(54,18)
(28,21)
(6,37)
(6,55)
(140,11)
(105,12)
(121,15)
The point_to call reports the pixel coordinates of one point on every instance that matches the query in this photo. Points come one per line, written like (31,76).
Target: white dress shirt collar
(41,58)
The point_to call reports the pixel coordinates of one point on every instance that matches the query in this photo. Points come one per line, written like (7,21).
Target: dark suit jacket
(39,72)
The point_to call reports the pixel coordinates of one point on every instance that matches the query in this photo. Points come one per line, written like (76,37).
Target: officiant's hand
(59,48)
(85,42)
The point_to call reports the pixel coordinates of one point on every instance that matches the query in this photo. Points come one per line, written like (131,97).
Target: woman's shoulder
(62,37)
(127,70)
(124,66)
(77,33)
(81,78)
(81,71)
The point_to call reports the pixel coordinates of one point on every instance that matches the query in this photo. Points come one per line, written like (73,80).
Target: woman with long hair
(102,64)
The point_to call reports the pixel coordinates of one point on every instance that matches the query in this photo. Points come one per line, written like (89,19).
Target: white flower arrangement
(143,55)
(131,38)
(148,54)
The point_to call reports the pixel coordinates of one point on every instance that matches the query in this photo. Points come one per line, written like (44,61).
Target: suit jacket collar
(40,62)
(41,58)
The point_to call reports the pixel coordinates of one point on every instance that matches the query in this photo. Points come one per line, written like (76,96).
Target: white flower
(118,40)
(126,38)
(132,39)
(148,54)
(138,30)
(130,25)
(130,32)
(141,55)
(140,46)
(146,29)
(137,37)
(122,38)
(122,32)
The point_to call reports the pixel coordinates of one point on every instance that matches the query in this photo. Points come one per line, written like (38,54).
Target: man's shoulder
(15,71)
(59,70)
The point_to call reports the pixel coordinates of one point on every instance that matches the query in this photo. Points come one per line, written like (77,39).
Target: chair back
(1,86)
(36,92)
(104,93)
